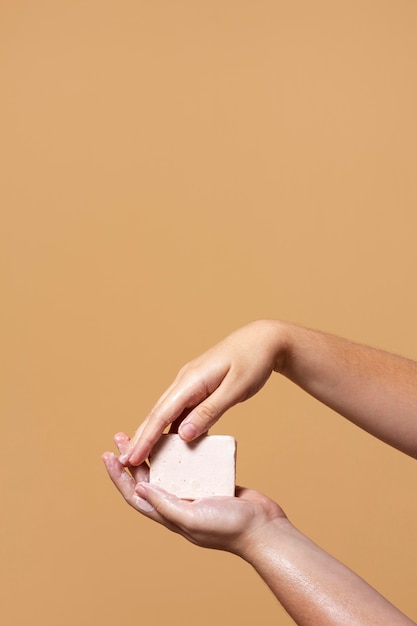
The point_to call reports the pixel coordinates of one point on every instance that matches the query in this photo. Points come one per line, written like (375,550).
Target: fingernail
(187,431)
(144,505)
(141,491)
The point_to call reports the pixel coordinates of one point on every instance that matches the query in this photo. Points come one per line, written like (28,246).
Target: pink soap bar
(205,467)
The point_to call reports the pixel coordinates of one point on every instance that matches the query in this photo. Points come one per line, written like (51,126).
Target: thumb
(208,412)
(172,509)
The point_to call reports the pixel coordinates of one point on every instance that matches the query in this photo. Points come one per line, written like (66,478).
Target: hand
(126,479)
(231,372)
(220,522)
(311,585)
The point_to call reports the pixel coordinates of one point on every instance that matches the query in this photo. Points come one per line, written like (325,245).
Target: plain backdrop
(170,171)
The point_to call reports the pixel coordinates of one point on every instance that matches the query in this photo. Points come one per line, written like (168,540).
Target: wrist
(279,337)
(265,539)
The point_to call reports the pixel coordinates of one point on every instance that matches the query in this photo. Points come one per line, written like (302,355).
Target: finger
(175,511)
(125,456)
(173,429)
(155,424)
(191,388)
(125,483)
(122,441)
(141,472)
(209,411)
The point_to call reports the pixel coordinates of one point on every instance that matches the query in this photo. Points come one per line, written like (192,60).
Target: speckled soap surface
(202,468)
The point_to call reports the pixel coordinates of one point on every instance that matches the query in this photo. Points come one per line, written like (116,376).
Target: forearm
(374,389)
(313,587)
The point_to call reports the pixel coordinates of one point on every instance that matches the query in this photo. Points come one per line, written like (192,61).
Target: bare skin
(314,588)
(374,389)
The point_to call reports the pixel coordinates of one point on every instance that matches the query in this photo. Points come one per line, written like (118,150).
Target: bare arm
(374,389)
(314,588)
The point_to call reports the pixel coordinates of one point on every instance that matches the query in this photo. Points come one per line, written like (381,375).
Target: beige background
(171,170)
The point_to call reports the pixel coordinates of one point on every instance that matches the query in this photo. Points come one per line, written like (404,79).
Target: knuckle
(160,508)
(186,369)
(207,412)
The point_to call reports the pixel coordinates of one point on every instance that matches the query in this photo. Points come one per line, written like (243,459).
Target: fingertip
(187,431)
(136,456)
(146,490)
(143,503)
(141,490)
(121,437)
(110,461)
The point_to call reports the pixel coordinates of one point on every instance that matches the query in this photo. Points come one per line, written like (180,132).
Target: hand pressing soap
(205,467)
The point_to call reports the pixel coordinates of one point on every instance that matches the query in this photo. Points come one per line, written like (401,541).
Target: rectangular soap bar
(205,467)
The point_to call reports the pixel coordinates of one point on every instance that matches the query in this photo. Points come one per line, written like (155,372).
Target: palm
(218,522)
(221,522)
